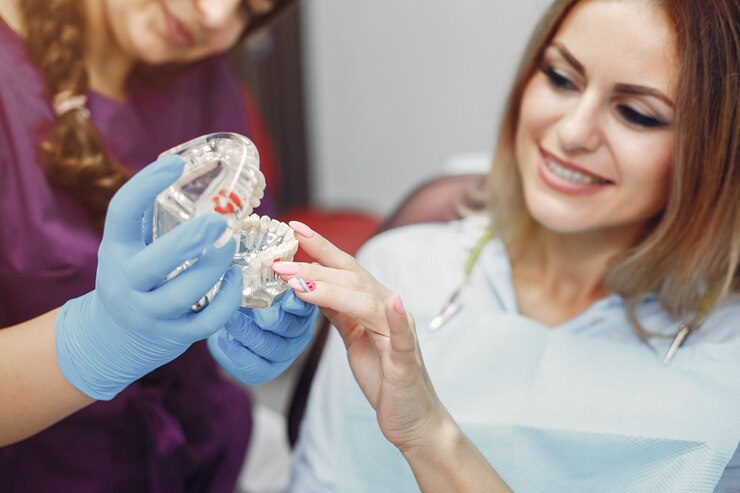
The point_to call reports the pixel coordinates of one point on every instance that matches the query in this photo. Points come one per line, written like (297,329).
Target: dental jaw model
(263,241)
(222,174)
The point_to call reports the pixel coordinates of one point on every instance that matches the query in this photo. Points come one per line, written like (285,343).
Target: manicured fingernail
(224,238)
(289,268)
(300,285)
(398,304)
(301,229)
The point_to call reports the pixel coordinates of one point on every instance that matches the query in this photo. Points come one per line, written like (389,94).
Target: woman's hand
(385,358)
(379,335)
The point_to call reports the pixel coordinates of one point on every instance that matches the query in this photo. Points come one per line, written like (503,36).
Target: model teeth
(257,193)
(263,241)
(572,175)
(267,240)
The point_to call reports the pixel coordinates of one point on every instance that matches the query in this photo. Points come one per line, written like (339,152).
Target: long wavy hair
(692,247)
(73,154)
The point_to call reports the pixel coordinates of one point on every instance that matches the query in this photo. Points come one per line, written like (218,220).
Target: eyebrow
(570,58)
(630,89)
(643,91)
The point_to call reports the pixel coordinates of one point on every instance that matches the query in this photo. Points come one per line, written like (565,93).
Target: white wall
(397,88)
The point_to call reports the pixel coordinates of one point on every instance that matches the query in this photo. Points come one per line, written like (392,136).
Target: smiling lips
(567,177)
(177,30)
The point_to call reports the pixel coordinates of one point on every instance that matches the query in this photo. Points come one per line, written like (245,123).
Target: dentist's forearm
(33,392)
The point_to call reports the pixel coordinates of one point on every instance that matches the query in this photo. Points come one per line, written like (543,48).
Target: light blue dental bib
(555,411)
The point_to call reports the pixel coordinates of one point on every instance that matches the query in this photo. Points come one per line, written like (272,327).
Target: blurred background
(364,100)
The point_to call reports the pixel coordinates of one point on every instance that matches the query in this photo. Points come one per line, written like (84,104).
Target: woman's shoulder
(421,252)
(427,238)
(723,323)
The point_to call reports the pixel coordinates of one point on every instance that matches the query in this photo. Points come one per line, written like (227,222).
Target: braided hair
(73,155)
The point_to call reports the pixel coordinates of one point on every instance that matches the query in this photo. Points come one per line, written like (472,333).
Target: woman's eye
(557,80)
(636,118)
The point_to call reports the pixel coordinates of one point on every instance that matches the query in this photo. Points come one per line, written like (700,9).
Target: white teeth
(271,239)
(262,242)
(282,229)
(265,224)
(572,175)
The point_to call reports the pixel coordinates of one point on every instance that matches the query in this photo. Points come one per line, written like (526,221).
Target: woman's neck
(11,15)
(557,276)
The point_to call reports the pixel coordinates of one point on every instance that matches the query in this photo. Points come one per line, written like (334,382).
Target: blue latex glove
(131,323)
(258,345)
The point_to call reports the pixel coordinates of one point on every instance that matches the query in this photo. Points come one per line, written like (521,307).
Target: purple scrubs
(181,428)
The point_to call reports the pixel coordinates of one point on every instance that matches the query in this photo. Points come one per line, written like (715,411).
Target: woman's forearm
(449,462)
(33,392)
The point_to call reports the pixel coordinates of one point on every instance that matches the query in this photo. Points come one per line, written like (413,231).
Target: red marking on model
(226,205)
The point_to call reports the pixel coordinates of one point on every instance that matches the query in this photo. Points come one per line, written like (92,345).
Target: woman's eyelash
(632,116)
(556,79)
(636,118)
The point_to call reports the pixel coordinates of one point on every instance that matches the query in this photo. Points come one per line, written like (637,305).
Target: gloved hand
(257,345)
(132,323)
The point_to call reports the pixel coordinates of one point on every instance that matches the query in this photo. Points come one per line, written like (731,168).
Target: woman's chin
(562,222)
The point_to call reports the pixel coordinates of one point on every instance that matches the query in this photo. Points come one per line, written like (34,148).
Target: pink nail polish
(398,304)
(301,229)
(289,268)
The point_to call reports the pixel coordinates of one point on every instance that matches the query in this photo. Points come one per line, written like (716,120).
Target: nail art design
(301,285)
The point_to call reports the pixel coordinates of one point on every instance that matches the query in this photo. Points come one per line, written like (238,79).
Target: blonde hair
(692,246)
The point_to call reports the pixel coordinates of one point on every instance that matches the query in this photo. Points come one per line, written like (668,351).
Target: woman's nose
(580,128)
(216,13)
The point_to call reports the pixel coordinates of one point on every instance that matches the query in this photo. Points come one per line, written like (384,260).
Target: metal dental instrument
(684,330)
(453,306)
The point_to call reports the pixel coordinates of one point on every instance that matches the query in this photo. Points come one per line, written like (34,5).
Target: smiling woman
(594,156)
(90,92)
(162,31)
(583,107)
(591,343)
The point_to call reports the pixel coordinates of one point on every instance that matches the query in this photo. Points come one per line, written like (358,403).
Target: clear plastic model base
(262,241)
(222,175)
